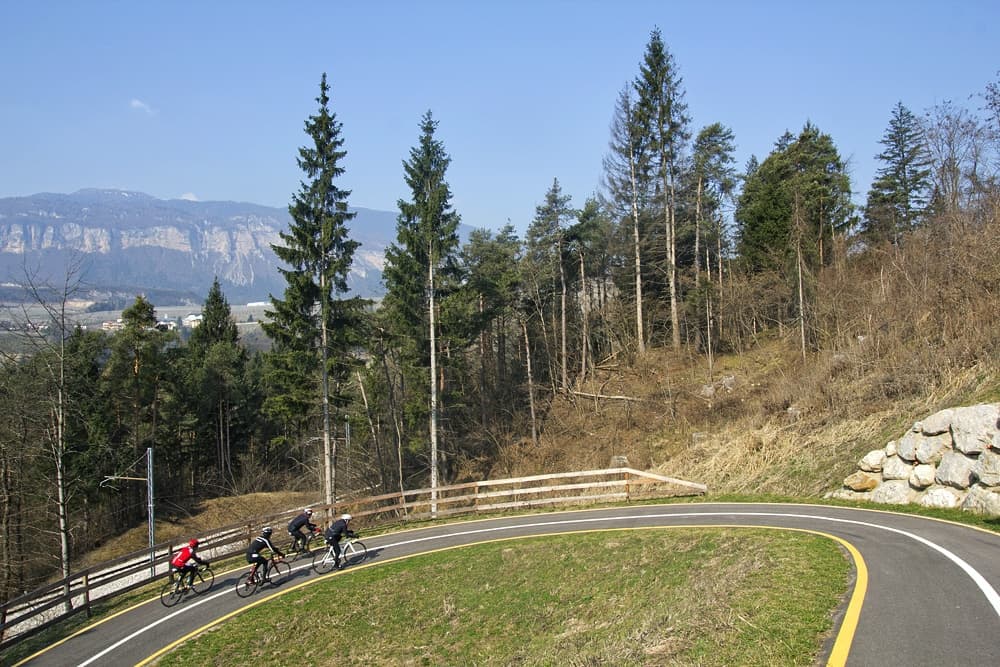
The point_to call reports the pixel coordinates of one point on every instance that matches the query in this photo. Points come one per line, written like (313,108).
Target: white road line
(991,594)
(146,628)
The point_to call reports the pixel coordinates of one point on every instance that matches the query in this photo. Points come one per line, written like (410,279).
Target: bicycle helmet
(193,543)
(308,511)
(266,532)
(346,517)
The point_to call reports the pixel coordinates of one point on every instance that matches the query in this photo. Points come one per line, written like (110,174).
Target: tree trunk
(531,386)
(564,376)
(433,378)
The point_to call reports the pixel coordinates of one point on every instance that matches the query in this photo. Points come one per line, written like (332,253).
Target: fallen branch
(614,398)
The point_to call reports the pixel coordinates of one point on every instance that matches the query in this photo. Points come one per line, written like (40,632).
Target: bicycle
(278,571)
(352,552)
(175,589)
(295,550)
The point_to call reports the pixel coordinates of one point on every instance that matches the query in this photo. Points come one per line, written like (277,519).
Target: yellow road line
(838,655)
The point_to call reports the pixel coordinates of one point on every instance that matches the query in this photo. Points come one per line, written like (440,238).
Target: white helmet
(346,517)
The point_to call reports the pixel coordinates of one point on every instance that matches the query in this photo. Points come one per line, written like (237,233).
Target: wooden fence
(58,600)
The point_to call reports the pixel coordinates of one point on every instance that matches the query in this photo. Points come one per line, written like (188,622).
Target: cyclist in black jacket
(261,542)
(335,532)
(295,526)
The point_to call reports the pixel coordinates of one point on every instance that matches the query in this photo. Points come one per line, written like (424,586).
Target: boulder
(941,496)
(890,448)
(896,468)
(987,468)
(872,461)
(922,476)
(932,447)
(906,447)
(973,428)
(955,470)
(982,501)
(893,492)
(939,422)
(861,481)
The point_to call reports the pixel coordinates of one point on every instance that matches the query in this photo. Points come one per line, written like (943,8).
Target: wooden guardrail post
(86,593)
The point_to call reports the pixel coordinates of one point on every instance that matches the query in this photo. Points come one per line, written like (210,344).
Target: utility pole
(148,479)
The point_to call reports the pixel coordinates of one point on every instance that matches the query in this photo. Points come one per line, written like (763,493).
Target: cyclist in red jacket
(187,561)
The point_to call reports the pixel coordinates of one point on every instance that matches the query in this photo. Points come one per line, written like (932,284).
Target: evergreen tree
(901,190)
(806,168)
(425,248)
(715,181)
(312,326)
(215,367)
(663,112)
(545,254)
(627,180)
(491,267)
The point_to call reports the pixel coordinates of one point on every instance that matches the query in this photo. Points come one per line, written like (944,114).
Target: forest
(681,251)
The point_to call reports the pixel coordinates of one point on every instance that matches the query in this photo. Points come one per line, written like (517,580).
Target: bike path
(930,595)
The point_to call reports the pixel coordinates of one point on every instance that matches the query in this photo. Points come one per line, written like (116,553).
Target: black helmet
(266,532)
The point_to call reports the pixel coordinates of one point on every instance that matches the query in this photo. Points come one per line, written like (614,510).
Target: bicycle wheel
(246,585)
(355,552)
(279,573)
(323,560)
(171,593)
(204,578)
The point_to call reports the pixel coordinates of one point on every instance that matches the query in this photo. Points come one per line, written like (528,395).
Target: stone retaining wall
(950,459)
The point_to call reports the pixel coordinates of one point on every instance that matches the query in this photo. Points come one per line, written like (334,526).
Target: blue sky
(208,99)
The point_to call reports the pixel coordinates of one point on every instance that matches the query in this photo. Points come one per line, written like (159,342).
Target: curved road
(925,591)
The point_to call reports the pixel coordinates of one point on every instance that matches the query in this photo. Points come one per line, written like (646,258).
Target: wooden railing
(58,600)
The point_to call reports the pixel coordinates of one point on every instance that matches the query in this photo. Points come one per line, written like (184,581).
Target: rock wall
(950,459)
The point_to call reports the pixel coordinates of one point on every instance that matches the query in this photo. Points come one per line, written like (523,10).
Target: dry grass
(903,332)
(208,514)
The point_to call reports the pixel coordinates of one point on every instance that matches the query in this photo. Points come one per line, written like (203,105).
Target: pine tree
(214,382)
(900,193)
(663,112)
(627,180)
(545,250)
(425,248)
(807,167)
(312,325)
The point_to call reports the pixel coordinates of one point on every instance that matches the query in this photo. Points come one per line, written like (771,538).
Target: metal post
(152,519)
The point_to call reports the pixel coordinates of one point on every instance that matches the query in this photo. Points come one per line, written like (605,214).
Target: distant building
(192,320)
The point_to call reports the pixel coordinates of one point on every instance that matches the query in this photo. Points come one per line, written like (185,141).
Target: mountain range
(119,244)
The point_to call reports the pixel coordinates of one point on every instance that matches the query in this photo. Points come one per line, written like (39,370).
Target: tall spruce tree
(663,112)
(627,180)
(216,364)
(545,252)
(425,248)
(901,191)
(314,322)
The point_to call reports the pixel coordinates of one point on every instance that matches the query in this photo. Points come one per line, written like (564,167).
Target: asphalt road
(925,591)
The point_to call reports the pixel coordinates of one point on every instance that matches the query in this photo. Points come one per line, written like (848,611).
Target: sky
(208,100)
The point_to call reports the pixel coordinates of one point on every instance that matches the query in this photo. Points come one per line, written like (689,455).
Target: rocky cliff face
(128,242)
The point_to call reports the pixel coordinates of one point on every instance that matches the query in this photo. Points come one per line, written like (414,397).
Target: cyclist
(187,561)
(295,526)
(335,532)
(261,542)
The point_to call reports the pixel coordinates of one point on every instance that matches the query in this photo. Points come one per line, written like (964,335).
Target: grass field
(677,596)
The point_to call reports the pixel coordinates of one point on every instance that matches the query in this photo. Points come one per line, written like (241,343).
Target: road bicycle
(352,552)
(177,587)
(278,571)
(294,550)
